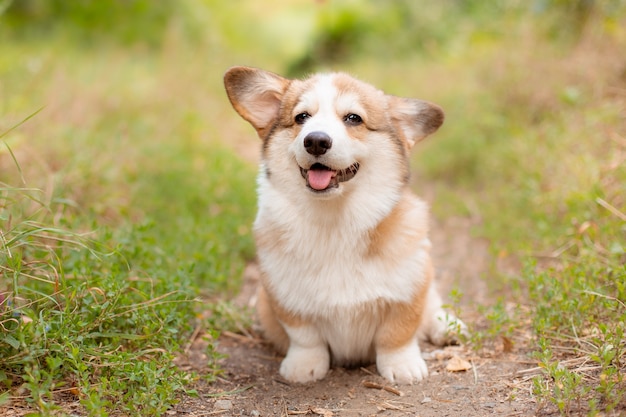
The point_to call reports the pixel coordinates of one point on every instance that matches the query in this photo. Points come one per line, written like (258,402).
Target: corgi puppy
(342,242)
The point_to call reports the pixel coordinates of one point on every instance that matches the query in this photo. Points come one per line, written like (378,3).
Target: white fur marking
(308,358)
(404,365)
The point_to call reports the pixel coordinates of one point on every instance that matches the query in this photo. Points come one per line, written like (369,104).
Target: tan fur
(272,329)
(401,321)
(391,239)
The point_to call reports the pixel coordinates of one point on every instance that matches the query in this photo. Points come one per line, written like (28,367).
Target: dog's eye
(301,117)
(353,119)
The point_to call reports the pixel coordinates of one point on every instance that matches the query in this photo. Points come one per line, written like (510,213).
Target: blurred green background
(127,181)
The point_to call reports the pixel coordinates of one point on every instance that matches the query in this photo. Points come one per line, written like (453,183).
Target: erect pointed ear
(256,95)
(415,119)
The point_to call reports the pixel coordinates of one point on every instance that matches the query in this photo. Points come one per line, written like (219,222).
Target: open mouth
(322,178)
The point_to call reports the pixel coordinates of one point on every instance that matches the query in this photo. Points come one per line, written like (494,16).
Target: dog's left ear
(256,95)
(415,119)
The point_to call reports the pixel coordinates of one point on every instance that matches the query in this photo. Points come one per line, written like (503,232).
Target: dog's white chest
(315,268)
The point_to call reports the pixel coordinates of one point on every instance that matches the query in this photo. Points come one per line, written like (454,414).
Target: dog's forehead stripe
(349,102)
(325,94)
(325,90)
(320,95)
(369,102)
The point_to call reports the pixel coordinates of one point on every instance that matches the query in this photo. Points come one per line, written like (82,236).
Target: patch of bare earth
(462,382)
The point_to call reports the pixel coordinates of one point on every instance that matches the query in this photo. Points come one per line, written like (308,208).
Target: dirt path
(251,385)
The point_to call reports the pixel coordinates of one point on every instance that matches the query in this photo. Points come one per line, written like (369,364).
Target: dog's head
(330,130)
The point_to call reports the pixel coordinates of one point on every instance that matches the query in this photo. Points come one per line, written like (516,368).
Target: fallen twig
(192,339)
(367,371)
(228,393)
(281,381)
(313,410)
(241,337)
(570,363)
(608,297)
(370,384)
(212,413)
(611,208)
(475,373)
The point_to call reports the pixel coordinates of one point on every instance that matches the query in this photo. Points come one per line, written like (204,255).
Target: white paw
(402,366)
(305,364)
(446,328)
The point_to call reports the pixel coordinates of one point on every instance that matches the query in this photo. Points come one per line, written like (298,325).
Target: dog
(342,242)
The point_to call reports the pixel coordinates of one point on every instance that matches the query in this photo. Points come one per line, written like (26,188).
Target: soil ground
(497,383)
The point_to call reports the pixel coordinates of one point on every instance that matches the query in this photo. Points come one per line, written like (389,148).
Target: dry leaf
(507,344)
(457,364)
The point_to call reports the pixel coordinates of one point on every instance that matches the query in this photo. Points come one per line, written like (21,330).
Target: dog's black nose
(317,143)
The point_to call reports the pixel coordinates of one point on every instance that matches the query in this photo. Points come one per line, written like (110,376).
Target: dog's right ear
(256,95)
(415,119)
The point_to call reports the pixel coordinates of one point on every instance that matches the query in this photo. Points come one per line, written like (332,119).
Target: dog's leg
(273,331)
(398,355)
(439,327)
(308,357)
(402,365)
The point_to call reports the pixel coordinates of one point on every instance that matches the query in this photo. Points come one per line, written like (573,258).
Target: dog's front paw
(402,366)
(305,364)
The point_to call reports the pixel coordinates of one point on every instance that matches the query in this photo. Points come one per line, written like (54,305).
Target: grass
(124,207)
(100,315)
(119,227)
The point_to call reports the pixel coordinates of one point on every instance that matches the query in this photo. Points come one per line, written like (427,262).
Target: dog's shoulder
(403,230)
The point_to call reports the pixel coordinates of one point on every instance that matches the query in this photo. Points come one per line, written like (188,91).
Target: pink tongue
(319,179)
